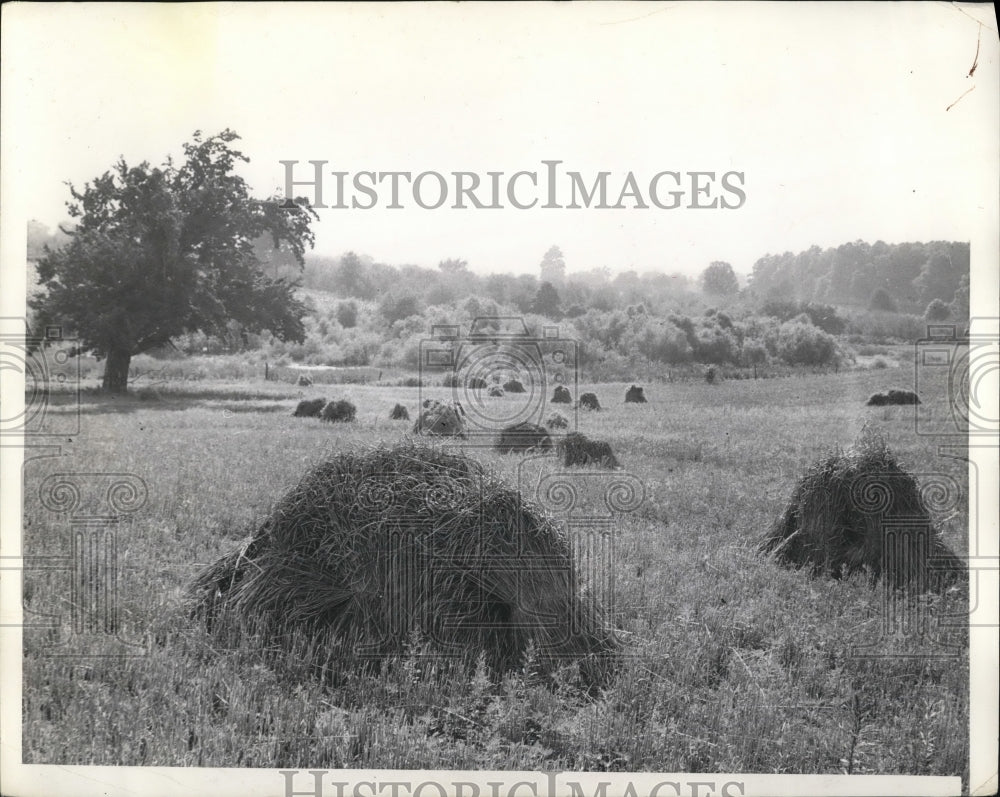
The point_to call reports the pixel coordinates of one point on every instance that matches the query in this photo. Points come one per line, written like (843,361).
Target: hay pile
(309,408)
(557,421)
(399,413)
(634,395)
(840,515)
(341,411)
(477,383)
(495,391)
(893,397)
(303,381)
(588,401)
(561,395)
(523,437)
(438,418)
(578,449)
(513,386)
(372,548)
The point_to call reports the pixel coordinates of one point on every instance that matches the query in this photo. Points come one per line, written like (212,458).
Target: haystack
(561,395)
(371,550)
(634,395)
(495,391)
(309,408)
(341,411)
(893,397)
(303,381)
(578,449)
(438,418)
(523,437)
(860,510)
(556,421)
(513,386)
(476,383)
(399,413)
(588,401)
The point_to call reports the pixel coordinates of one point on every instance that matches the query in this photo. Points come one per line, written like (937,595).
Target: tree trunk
(116,371)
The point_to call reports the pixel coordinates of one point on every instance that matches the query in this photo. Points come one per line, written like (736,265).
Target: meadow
(732,663)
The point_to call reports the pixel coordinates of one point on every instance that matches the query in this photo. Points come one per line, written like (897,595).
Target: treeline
(904,277)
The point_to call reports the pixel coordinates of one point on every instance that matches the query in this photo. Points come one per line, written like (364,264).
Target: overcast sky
(835,114)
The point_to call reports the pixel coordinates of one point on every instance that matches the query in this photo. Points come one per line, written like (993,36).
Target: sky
(837,116)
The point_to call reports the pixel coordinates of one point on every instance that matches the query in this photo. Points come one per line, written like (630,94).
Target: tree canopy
(158,252)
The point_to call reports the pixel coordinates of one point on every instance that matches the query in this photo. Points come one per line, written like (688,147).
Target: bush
(882,301)
(804,344)
(937,311)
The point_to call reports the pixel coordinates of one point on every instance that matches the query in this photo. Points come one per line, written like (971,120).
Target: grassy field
(733,663)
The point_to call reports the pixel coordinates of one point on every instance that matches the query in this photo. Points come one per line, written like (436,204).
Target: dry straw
(523,437)
(859,510)
(399,413)
(309,408)
(561,395)
(341,411)
(635,395)
(437,418)
(578,449)
(588,401)
(372,549)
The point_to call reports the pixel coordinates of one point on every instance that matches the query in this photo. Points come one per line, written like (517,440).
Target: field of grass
(732,663)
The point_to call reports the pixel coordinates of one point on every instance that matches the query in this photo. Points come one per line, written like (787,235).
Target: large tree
(162,251)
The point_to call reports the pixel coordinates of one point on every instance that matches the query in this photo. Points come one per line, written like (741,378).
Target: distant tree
(937,311)
(158,252)
(938,279)
(553,267)
(719,279)
(960,304)
(546,301)
(347,314)
(453,266)
(882,301)
(353,278)
(395,307)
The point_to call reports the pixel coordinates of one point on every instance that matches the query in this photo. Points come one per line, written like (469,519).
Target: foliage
(158,252)
(937,311)
(881,300)
(719,279)
(804,344)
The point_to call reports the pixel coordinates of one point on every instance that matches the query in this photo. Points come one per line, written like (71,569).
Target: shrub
(937,311)
(804,344)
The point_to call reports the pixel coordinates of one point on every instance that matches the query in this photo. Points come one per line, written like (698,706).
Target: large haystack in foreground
(523,437)
(859,510)
(374,548)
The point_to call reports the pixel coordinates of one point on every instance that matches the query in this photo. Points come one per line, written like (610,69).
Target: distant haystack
(303,381)
(476,383)
(372,550)
(588,401)
(710,374)
(341,411)
(561,395)
(893,397)
(513,386)
(495,391)
(841,515)
(438,418)
(557,421)
(523,437)
(309,408)
(399,413)
(578,449)
(634,395)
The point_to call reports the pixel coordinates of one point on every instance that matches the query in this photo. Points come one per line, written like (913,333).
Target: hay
(309,408)
(578,449)
(523,437)
(588,401)
(842,510)
(495,391)
(513,386)
(893,398)
(557,421)
(399,413)
(372,549)
(477,383)
(303,381)
(440,419)
(634,395)
(561,395)
(341,411)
